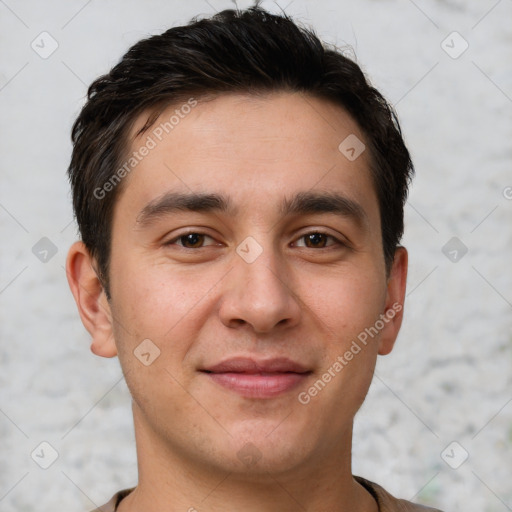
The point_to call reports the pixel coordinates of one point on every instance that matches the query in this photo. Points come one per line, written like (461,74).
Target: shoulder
(111,506)
(388,503)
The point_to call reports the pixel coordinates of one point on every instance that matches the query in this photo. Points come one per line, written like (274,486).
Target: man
(239,191)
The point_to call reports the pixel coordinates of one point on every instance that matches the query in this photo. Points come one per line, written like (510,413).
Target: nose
(259,294)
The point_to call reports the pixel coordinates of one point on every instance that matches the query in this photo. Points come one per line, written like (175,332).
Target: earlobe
(395,297)
(90,299)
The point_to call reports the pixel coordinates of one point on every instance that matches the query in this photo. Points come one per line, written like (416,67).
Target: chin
(263,447)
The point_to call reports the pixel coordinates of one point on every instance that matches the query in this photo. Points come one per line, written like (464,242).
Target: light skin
(200,302)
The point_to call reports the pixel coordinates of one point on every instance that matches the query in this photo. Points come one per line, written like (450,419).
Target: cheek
(151,305)
(346,302)
(166,306)
(154,300)
(343,308)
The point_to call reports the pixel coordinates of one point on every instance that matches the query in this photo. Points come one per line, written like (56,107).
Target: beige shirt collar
(385,501)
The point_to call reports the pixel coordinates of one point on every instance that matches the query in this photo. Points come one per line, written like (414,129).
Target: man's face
(269,276)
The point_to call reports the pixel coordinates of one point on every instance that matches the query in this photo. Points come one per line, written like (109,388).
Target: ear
(395,297)
(90,299)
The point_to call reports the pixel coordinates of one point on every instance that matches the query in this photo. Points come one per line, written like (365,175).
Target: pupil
(316,239)
(193,239)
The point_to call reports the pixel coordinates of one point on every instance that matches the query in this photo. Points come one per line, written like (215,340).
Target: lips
(252,378)
(252,366)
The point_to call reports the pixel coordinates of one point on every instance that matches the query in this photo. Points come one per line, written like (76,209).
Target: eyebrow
(302,203)
(172,202)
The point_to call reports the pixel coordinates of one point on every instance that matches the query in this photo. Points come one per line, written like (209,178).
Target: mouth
(253,378)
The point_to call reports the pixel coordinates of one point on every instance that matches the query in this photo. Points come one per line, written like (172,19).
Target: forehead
(253,149)
(234,119)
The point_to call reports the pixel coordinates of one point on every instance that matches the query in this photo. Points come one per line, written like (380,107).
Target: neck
(171,481)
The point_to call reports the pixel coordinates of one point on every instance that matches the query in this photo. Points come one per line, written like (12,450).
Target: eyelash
(337,241)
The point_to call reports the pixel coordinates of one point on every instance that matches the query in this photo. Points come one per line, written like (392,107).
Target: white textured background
(449,378)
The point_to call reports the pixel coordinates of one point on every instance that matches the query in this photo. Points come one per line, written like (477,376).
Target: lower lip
(259,385)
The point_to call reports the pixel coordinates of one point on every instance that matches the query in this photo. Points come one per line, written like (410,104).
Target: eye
(190,240)
(312,240)
(317,240)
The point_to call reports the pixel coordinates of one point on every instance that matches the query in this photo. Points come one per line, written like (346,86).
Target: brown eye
(191,240)
(318,240)
(315,240)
